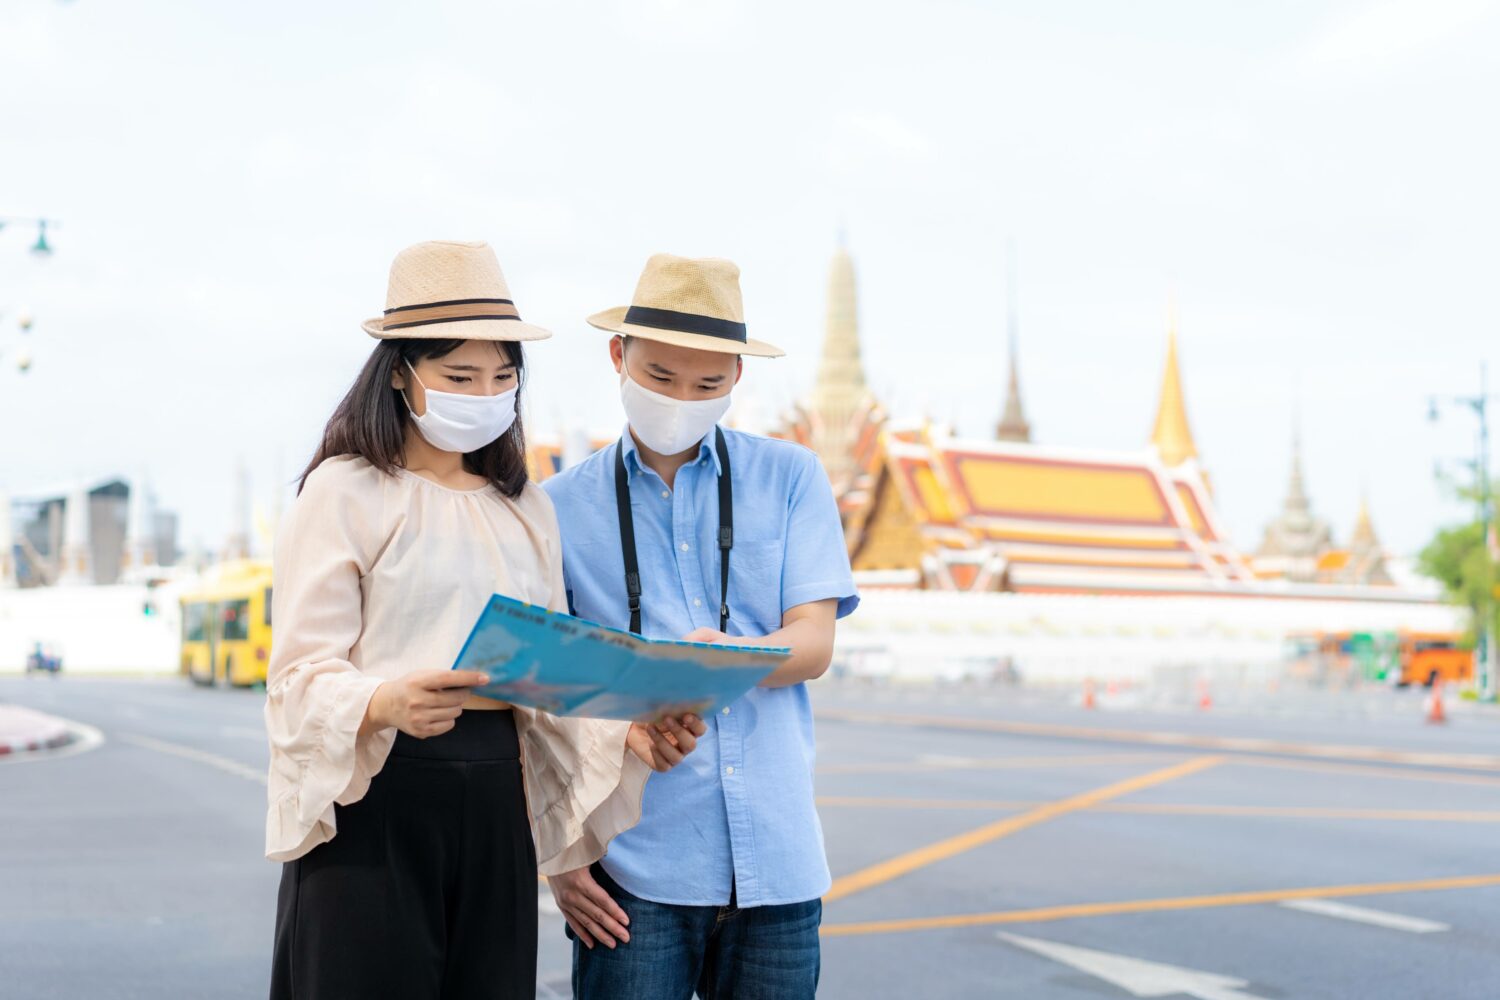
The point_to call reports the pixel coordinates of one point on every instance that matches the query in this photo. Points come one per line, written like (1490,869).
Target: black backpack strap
(627,538)
(726,525)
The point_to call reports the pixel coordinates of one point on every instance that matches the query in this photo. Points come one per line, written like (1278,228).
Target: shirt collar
(633,463)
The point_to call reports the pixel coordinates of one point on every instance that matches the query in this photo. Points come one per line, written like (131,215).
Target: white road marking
(234,767)
(1360,914)
(1138,976)
(257,733)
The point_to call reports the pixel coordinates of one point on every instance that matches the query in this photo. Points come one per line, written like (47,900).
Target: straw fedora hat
(443,289)
(690,302)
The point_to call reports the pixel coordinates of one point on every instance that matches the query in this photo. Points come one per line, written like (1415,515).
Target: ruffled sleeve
(315,697)
(583,784)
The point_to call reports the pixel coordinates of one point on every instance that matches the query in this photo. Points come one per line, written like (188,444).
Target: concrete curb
(23,730)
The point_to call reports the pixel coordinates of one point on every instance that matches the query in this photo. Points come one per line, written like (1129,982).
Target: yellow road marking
(1180,809)
(1048,913)
(1324,751)
(996,763)
(904,864)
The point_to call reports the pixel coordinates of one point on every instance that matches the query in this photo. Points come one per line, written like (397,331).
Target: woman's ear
(398,379)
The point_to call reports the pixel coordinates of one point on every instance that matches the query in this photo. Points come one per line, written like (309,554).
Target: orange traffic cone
(1205,701)
(1112,688)
(1088,692)
(1435,712)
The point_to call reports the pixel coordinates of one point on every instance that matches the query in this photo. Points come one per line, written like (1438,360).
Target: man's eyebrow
(712,378)
(664,370)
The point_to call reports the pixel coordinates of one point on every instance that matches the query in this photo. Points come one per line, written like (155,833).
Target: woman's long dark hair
(371,420)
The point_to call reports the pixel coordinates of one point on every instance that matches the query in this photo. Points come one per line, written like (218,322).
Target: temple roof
(1067,519)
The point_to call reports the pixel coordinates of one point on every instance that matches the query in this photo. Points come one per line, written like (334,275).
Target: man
(718,888)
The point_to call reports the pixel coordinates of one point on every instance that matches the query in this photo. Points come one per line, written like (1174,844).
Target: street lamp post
(39,248)
(1479,404)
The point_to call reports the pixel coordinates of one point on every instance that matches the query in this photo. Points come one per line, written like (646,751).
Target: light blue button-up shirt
(739,810)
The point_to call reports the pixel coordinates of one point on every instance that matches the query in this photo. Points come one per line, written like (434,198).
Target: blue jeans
(722,952)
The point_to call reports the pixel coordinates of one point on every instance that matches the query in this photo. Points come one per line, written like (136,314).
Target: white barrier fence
(1063,640)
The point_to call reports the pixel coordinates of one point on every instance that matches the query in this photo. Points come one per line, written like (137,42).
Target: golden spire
(1364,528)
(1172,437)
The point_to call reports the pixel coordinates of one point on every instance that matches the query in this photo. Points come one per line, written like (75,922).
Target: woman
(402,804)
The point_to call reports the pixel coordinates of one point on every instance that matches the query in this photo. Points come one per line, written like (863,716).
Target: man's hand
(663,744)
(806,629)
(589,910)
(421,704)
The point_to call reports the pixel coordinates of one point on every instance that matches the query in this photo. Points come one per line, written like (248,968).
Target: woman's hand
(662,745)
(422,703)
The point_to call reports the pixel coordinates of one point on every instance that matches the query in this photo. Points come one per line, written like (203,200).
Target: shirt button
(697,603)
(726,709)
(684,546)
(729,769)
(665,494)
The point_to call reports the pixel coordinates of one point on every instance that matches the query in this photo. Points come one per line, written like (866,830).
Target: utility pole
(1489,676)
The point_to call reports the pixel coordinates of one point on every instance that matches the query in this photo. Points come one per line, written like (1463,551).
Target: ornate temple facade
(927,510)
(1299,546)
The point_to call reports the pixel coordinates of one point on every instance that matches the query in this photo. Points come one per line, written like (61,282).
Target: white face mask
(462,423)
(665,425)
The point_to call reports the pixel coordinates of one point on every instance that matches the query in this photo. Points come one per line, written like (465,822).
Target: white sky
(1316,183)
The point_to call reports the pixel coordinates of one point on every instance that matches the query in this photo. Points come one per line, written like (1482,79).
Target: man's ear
(739,368)
(617,351)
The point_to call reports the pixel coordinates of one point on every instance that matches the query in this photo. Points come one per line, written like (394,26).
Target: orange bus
(1435,656)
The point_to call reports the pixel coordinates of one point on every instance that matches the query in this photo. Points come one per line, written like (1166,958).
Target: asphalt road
(985,843)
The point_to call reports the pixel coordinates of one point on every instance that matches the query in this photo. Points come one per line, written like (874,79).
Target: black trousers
(428,889)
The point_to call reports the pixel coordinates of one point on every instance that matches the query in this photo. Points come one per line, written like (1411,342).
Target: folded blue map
(567,666)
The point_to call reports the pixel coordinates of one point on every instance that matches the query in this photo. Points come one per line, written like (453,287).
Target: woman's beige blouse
(378,575)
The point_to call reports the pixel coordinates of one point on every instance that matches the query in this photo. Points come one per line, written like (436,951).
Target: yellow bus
(226,626)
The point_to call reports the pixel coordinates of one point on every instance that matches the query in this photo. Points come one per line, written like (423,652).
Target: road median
(25,730)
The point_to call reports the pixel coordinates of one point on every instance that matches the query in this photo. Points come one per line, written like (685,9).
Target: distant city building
(88,533)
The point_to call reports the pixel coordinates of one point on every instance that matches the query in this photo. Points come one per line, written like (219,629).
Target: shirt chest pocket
(755,583)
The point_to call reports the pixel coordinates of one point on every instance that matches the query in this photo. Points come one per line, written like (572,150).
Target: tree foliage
(1458,558)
